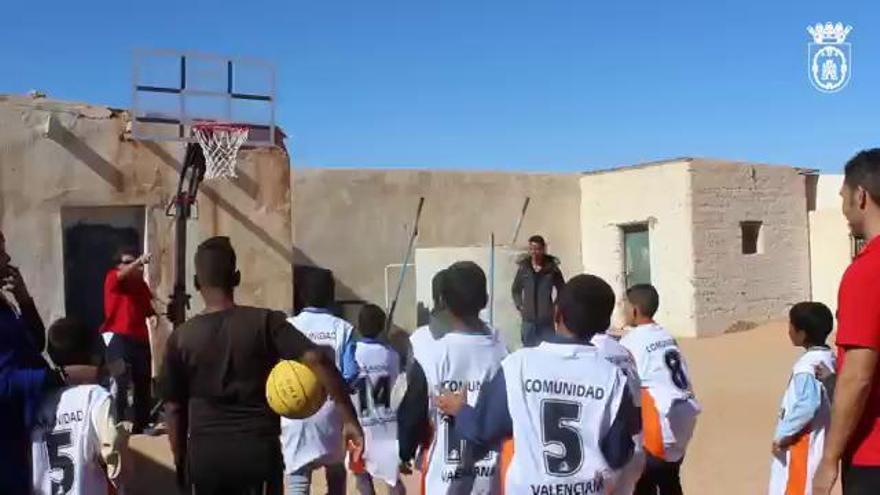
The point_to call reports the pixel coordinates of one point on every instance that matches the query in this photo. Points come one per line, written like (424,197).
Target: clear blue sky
(554,85)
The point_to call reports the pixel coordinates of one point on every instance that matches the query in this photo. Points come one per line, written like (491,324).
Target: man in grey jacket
(537,277)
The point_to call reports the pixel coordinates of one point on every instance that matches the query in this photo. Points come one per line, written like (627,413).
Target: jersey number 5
(58,461)
(676,369)
(557,429)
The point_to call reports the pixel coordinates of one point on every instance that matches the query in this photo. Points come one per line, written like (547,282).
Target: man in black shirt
(224,437)
(536,279)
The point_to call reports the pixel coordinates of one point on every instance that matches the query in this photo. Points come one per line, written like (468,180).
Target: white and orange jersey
(562,400)
(792,474)
(618,355)
(66,444)
(669,408)
(457,362)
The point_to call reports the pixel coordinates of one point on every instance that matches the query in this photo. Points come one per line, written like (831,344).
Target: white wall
(660,195)
(830,242)
(737,289)
(506,318)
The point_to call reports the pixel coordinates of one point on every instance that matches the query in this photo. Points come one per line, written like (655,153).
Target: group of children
(583,412)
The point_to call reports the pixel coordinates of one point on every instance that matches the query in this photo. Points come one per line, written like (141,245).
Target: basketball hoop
(220,144)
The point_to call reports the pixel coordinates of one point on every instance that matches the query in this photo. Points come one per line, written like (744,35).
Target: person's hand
(823,372)
(777,449)
(144,259)
(825,477)
(451,403)
(353,436)
(79,374)
(13,283)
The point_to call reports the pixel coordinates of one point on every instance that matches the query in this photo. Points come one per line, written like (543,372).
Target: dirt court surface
(739,379)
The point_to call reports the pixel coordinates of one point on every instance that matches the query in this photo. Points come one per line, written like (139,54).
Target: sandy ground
(739,379)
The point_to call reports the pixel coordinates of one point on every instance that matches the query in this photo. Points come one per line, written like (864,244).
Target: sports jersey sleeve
(617,445)
(412,416)
(488,423)
(349,364)
(808,398)
(112,440)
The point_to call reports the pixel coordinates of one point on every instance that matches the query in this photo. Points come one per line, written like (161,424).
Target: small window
(857,243)
(752,242)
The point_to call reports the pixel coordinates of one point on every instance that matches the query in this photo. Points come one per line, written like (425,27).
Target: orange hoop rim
(223,126)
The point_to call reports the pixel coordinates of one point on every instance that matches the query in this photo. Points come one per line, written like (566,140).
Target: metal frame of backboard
(187,94)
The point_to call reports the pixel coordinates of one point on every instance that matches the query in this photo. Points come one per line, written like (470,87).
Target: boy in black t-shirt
(214,375)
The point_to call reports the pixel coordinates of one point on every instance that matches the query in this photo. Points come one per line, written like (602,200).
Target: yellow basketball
(293,390)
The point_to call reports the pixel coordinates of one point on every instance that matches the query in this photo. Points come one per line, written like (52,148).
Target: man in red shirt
(127,305)
(853,439)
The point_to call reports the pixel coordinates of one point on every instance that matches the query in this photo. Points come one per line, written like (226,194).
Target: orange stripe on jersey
(799,455)
(504,460)
(651,427)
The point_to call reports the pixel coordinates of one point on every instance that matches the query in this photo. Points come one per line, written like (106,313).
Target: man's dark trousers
(129,361)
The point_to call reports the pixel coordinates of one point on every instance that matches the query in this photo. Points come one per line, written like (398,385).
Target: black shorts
(861,480)
(235,465)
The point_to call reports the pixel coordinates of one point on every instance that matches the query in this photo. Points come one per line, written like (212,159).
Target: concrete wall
(356,222)
(660,195)
(81,158)
(737,289)
(830,241)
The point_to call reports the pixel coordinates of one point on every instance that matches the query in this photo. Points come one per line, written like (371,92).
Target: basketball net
(220,144)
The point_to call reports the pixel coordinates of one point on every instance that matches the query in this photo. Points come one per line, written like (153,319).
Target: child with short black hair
(378,368)
(806,405)
(77,445)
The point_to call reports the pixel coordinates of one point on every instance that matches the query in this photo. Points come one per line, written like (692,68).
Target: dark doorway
(92,237)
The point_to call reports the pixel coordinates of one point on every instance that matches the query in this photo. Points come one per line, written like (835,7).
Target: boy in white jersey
(806,405)
(310,443)
(669,409)
(378,367)
(465,358)
(567,409)
(76,443)
(619,356)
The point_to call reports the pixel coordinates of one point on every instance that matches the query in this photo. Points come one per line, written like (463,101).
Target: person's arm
(808,398)
(488,422)
(850,396)
(516,290)
(617,445)
(176,422)
(349,365)
(558,281)
(330,377)
(112,442)
(130,268)
(25,382)
(174,390)
(412,414)
(13,282)
(290,343)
